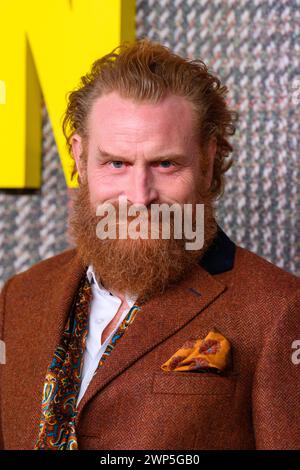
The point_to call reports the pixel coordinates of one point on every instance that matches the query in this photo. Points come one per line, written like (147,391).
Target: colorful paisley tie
(57,430)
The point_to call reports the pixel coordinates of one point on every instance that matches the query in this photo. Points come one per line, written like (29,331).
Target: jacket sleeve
(276,385)
(2,310)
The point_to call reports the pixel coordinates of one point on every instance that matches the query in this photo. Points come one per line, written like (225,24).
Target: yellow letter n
(45,47)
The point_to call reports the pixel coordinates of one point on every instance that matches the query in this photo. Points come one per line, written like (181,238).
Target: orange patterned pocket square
(211,353)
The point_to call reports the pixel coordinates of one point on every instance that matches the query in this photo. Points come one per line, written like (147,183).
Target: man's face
(146,152)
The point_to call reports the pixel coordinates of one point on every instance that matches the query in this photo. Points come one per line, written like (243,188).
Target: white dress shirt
(104,306)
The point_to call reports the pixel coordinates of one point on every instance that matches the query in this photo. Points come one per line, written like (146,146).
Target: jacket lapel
(158,319)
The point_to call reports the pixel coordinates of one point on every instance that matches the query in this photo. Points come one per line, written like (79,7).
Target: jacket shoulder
(43,269)
(259,274)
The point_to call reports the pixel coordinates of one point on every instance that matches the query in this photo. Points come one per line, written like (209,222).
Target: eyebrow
(101,153)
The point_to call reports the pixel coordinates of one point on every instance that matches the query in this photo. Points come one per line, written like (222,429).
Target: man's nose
(141,189)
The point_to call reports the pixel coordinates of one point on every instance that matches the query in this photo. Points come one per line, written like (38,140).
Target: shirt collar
(92,279)
(101,289)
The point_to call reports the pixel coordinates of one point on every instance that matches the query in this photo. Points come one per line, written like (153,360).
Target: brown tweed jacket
(131,403)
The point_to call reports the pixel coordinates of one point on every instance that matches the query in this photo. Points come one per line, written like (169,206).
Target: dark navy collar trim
(219,257)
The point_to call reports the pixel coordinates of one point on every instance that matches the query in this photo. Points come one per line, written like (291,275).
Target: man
(141,343)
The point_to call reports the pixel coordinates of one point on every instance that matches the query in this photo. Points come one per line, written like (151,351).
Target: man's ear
(77,148)
(210,155)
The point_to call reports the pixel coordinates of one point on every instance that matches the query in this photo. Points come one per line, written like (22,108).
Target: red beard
(141,267)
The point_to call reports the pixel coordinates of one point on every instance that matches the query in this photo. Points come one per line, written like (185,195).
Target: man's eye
(165,164)
(116,164)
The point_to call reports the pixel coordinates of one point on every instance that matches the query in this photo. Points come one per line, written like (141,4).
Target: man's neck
(120,295)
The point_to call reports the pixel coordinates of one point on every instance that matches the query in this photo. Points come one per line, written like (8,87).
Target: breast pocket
(193,383)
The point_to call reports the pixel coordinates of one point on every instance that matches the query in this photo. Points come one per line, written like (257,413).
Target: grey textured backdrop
(254,46)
